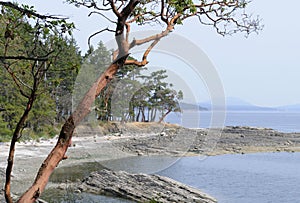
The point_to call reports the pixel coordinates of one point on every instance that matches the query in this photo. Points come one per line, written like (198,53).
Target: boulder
(141,187)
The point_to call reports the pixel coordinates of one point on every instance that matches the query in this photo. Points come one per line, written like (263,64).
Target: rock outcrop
(142,187)
(234,139)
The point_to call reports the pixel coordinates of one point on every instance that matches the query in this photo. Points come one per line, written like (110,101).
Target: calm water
(251,178)
(259,178)
(281,121)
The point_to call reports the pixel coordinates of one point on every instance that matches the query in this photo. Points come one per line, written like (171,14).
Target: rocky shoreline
(230,140)
(142,187)
(96,144)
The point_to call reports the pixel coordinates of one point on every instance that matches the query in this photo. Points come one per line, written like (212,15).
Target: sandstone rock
(142,187)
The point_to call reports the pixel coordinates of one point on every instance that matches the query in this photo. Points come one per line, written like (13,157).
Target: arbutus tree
(226,16)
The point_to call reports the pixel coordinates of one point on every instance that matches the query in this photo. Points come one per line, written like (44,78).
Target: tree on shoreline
(148,92)
(227,17)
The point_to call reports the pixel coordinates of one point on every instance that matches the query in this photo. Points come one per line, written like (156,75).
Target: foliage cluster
(39,62)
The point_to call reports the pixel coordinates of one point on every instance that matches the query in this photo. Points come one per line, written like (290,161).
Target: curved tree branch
(96,33)
(101,14)
(30,12)
(114,8)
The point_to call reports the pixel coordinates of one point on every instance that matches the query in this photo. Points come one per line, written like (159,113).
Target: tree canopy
(225,16)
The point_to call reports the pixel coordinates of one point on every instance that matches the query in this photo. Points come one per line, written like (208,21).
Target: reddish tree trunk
(64,140)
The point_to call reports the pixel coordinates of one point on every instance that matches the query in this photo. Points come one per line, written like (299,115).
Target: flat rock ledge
(142,187)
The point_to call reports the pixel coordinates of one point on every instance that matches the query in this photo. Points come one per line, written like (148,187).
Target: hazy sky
(263,69)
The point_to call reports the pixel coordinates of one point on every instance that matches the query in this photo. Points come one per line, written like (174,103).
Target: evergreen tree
(38,63)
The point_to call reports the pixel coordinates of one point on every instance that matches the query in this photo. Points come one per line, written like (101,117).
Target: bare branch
(91,5)
(145,55)
(104,16)
(114,8)
(29,12)
(227,17)
(24,58)
(136,42)
(18,82)
(96,33)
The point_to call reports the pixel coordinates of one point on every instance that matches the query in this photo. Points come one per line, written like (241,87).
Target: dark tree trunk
(164,115)
(10,160)
(143,114)
(138,115)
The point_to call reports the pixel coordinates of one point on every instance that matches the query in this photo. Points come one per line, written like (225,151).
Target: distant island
(295,107)
(237,104)
(192,107)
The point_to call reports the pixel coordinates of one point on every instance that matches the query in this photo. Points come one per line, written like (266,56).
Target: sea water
(237,178)
(259,178)
(281,121)
(248,178)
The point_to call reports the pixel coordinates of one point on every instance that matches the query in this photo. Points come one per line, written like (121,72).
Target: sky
(262,69)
